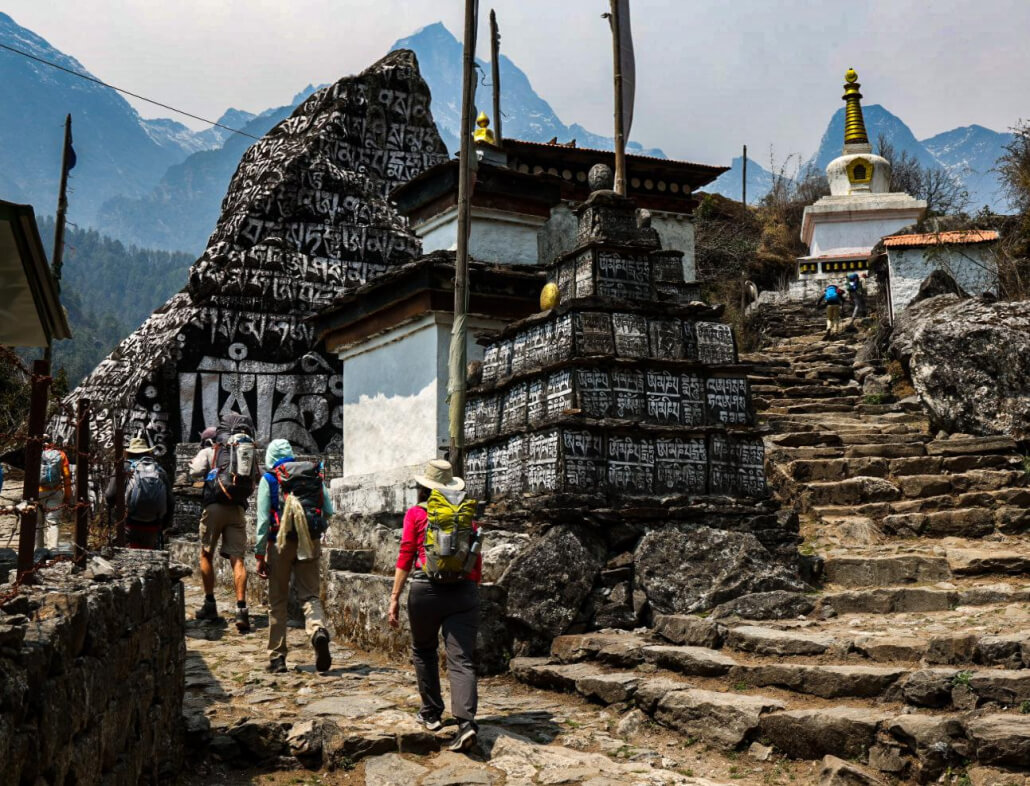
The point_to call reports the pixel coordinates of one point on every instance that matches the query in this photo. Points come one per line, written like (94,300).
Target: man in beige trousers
(281,556)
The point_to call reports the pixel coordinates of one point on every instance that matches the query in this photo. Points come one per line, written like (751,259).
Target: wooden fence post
(82,448)
(119,487)
(33,453)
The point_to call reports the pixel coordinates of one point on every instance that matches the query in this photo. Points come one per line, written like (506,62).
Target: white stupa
(841,229)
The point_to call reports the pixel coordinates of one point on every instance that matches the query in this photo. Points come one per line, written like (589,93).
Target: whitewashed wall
(677,232)
(495,236)
(973,267)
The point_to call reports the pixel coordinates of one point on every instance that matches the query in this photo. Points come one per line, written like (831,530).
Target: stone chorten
(620,421)
(842,228)
(306,216)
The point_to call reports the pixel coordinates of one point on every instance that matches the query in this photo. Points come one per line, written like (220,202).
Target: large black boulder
(685,571)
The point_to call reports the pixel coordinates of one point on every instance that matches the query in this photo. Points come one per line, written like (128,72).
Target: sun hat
(439,475)
(138,446)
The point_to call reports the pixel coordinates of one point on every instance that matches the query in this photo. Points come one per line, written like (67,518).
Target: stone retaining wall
(91,674)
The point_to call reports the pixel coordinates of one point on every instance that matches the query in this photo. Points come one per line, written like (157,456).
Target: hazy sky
(712,74)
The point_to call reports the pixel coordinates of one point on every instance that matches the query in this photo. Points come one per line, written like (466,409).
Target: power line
(89,78)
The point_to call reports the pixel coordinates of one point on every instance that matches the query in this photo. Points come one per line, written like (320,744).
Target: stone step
(921,486)
(971,522)
(971,446)
(802,406)
(860,490)
(729,720)
(891,600)
(865,570)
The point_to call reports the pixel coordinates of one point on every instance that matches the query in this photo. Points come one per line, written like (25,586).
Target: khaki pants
(306,581)
(833,319)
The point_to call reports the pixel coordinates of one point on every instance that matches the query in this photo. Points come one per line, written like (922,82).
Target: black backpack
(146,494)
(233,470)
(303,480)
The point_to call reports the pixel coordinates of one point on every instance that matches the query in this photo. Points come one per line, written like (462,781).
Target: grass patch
(1024,708)
(962,678)
(874,398)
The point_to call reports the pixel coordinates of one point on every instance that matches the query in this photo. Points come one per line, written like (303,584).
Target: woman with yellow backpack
(441,549)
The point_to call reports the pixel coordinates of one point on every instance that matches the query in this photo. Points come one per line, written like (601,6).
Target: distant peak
(434,32)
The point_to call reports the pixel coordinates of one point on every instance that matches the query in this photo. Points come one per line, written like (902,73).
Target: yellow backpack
(452,543)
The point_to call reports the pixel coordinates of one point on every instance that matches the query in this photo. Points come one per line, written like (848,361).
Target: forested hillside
(108,289)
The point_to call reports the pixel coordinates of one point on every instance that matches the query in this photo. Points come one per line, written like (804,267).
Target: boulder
(550,581)
(970,365)
(906,324)
(939,282)
(776,605)
(687,571)
(837,772)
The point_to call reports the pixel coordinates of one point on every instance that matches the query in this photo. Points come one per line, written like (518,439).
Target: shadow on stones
(538,726)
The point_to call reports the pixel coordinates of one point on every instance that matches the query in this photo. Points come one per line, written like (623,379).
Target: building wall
(853,234)
(395,412)
(494,236)
(973,267)
(677,232)
(389,399)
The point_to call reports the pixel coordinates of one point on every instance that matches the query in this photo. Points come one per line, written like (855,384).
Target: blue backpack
(832,296)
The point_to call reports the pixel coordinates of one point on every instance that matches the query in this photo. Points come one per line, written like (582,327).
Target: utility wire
(89,78)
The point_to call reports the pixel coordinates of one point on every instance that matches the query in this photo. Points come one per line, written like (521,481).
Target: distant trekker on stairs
(833,297)
(229,469)
(293,510)
(856,291)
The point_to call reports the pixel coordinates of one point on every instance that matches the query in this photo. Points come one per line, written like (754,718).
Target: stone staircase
(914,655)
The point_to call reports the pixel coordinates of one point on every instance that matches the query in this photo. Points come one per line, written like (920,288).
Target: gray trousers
(454,608)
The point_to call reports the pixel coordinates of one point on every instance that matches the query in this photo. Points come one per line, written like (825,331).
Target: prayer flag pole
(457,356)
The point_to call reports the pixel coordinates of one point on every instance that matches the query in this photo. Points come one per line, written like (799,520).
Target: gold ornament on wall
(549,297)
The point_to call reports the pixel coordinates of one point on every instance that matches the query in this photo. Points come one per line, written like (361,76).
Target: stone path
(914,656)
(354,725)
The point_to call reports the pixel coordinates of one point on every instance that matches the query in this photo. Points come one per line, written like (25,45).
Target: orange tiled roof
(952,237)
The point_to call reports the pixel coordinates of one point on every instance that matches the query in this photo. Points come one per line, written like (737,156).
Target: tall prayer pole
(457,356)
(620,139)
(67,162)
(495,74)
(743,179)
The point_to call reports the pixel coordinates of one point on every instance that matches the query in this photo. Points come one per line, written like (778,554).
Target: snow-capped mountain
(971,154)
(526,115)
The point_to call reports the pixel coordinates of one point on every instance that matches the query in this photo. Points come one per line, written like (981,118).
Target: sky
(712,74)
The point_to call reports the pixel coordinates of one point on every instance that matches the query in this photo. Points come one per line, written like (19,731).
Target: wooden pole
(456,370)
(82,449)
(119,487)
(743,179)
(620,140)
(33,454)
(495,74)
(62,212)
(62,204)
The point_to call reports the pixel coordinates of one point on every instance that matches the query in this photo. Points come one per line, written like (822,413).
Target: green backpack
(452,543)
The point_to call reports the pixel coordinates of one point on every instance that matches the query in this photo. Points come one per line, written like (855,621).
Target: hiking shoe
(429,721)
(242,620)
(466,736)
(209,611)
(278,665)
(320,641)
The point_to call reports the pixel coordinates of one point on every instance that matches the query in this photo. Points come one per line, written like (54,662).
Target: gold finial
(484,133)
(854,124)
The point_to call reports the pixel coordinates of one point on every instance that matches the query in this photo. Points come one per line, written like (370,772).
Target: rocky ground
(354,725)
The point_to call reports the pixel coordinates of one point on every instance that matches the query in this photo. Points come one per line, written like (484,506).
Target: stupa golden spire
(484,133)
(854,124)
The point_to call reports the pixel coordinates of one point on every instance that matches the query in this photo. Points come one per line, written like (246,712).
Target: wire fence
(80,497)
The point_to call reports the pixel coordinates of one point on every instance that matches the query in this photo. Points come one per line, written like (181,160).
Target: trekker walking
(229,469)
(856,291)
(833,297)
(149,501)
(443,545)
(55,493)
(293,510)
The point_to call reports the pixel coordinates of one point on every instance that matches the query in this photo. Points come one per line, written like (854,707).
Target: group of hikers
(440,550)
(835,295)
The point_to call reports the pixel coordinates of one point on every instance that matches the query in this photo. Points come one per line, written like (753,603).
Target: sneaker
(466,736)
(278,665)
(429,721)
(242,620)
(209,611)
(320,641)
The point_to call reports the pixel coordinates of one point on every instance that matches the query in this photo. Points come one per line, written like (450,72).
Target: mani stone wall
(91,674)
(306,215)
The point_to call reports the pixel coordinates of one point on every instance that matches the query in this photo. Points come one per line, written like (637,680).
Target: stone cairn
(306,216)
(605,418)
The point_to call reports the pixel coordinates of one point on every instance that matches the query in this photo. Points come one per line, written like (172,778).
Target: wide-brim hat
(439,475)
(138,446)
